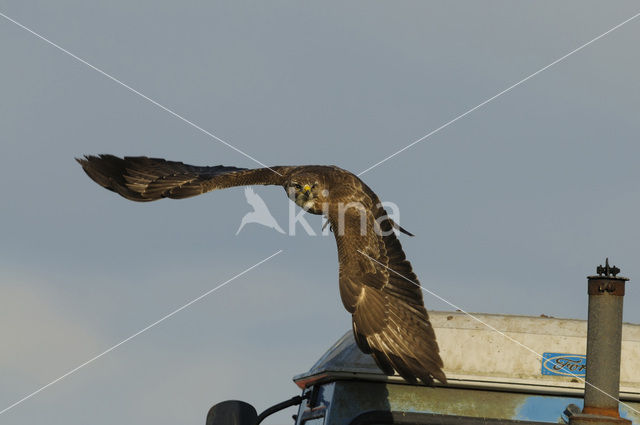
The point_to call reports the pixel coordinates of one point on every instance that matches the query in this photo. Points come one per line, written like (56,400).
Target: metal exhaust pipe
(604,340)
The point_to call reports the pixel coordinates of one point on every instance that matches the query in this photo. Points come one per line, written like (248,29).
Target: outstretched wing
(145,179)
(380,290)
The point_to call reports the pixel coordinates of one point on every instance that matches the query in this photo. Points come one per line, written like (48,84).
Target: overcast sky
(512,206)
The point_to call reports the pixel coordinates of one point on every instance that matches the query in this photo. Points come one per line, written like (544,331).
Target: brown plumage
(377,284)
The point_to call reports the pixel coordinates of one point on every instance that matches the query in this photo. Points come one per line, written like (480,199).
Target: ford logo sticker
(564,364)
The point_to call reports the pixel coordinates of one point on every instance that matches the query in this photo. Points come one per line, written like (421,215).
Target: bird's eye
(313,185)
(297,186)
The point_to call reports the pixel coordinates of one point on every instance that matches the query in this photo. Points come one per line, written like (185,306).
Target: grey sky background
(512,206)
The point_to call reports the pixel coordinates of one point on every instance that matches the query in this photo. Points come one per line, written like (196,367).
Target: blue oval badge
(564,364)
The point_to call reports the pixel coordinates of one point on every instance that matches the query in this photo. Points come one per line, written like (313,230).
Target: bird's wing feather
(389,318)
(145,179)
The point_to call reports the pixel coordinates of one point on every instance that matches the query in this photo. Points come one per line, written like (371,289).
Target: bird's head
(308,191)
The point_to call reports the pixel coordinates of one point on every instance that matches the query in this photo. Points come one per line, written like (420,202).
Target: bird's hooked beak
(307,189)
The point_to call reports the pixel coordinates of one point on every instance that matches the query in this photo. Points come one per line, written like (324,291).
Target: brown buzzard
(376,281)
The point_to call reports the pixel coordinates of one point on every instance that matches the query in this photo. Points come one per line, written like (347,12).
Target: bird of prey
(377,284)
(260,213)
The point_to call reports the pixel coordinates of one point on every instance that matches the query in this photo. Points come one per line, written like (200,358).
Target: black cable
(280,406)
